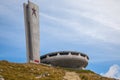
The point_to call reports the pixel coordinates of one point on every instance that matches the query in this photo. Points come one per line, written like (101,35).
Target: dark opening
(83,55)
(54,54)
(87,57)
(74,53)
(64,53)
(42,57)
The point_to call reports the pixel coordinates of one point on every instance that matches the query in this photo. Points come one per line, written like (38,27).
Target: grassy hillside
(17,71)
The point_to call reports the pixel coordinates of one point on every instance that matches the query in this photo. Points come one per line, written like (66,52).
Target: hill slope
(17,71)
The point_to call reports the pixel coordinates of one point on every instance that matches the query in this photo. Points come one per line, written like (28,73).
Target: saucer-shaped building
(67,59)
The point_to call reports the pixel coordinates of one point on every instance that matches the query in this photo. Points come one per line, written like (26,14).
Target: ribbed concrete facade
(68,59)
(31,13)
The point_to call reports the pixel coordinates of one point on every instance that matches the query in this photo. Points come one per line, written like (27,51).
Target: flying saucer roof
(64,53)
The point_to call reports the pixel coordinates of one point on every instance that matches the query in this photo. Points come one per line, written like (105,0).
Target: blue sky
(88,26)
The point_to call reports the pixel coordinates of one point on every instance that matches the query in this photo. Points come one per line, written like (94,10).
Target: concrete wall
(68,59)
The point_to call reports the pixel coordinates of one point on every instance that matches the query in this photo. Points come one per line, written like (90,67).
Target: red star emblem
(33,11)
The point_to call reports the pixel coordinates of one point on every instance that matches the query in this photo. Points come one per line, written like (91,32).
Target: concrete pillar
(31,15)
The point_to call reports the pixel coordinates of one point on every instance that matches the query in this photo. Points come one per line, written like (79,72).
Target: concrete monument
(67,59)
(31,14)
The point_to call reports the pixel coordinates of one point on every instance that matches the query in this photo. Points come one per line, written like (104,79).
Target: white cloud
(11,23)
(94,19)
(103,11)
(81,19)
(113,72)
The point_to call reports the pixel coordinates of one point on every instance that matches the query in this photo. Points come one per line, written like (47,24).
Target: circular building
(67,59)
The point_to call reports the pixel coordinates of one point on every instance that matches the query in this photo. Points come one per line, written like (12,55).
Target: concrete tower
(31,14)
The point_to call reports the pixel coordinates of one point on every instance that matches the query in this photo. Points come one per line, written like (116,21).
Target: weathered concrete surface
(31,12)
(68,59)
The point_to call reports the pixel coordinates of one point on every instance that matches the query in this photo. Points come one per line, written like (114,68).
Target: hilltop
(29,71)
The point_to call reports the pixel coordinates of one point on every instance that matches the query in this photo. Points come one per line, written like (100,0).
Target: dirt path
(71,76)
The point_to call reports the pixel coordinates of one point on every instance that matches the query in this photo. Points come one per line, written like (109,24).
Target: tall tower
(31,15)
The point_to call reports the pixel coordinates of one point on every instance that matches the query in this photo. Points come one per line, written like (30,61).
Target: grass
(88,74)
(15,71)
(29,71)
(79,71)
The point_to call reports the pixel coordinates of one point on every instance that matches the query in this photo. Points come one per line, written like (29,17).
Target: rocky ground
(71,76)
(25,71)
